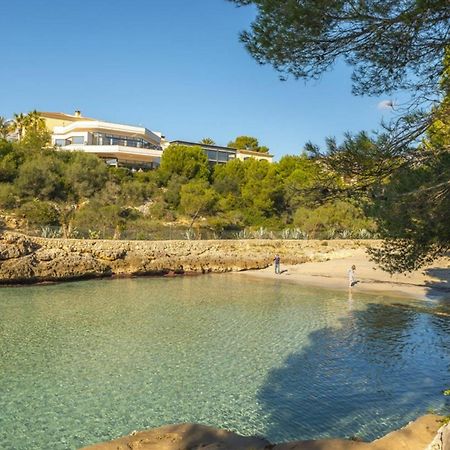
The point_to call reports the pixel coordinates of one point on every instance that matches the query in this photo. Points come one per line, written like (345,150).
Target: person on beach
(277,260)
(351,276)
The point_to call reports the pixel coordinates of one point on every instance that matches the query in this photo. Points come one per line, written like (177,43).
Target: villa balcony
(119,152)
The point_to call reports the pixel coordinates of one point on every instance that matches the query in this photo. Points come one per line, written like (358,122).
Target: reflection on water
(86,362)
(381,367)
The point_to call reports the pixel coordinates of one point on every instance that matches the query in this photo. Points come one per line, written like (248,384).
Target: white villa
(118,144)
(126,145)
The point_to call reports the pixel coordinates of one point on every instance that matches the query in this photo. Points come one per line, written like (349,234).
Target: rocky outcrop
(25,259)
(442,439)
(14,246)
(183,437)
(415,436)
(446,437)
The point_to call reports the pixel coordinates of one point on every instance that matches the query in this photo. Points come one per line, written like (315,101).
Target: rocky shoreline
(425,433)
(25,259)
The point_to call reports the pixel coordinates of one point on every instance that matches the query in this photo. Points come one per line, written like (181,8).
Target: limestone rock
(415,436)
(184,437)
(442,439)
(15,246)
(31,259)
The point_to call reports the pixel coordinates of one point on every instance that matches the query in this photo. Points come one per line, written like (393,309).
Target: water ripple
(86,362)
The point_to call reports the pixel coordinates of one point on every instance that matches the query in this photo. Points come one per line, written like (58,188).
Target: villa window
(212,154)
(223,156)
(78,140)
(60,142)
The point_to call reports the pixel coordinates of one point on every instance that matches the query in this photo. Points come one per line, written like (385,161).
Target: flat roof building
(221,155)
(216,154)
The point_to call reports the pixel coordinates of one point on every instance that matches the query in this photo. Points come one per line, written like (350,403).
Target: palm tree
(34,121)
(4,128)
(207,141)
(20,122)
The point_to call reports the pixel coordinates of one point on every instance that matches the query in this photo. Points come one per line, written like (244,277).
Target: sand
(432,281)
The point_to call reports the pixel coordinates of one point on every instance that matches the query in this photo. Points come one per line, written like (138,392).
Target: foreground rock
(26,259)
(417,435)
(183,437)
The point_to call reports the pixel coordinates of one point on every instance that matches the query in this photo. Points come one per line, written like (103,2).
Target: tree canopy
(79,195)
(207,141)
(184,160)
(248,143)
(403,173)
(391,44)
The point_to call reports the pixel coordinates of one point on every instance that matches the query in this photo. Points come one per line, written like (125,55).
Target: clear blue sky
(174,66)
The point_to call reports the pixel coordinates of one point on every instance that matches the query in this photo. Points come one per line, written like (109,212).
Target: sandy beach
(332,273)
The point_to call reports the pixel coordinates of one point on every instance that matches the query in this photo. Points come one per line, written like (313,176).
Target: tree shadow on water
(382,367)
(440,285)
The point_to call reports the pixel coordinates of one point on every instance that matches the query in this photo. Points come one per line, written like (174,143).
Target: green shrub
(102,220)
(85,175)
(41,177)
(158,210)
(336,219)
(40,213)
(7,196)
(9,167)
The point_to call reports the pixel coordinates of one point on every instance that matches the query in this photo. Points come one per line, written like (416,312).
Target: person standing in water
(277,260)
(351,276)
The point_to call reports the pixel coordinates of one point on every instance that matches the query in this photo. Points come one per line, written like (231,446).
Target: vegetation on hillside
(395,183)
(75,194)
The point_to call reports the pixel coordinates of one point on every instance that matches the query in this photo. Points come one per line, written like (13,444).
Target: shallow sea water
(86,362)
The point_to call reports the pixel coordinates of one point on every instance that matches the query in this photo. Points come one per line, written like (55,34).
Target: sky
(174,66)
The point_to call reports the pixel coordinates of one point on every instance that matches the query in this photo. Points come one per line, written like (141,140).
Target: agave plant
(73,233)
(93,234)
(297,233)
(51,232)
(345,234)
(364,234)
(189,234)
(46,232)
(261,233)
(331,233)
(243,234)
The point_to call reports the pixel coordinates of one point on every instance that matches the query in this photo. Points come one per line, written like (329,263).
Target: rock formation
(416,435)
(25,259)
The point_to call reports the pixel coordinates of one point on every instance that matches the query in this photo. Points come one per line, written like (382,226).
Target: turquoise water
(87,362)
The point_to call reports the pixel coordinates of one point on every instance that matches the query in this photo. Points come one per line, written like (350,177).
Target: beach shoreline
(26,260)
(432,282)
